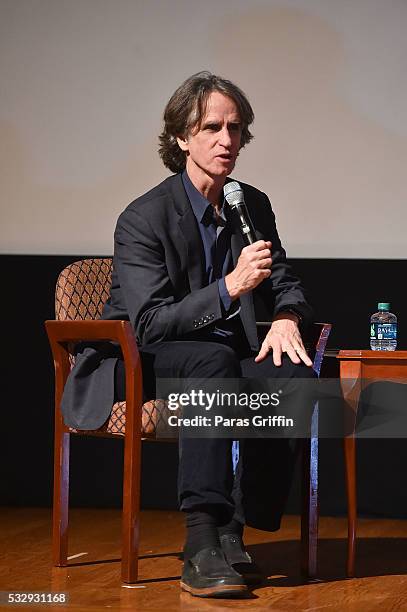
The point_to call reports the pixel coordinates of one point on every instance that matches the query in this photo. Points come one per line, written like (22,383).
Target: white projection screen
(84,84)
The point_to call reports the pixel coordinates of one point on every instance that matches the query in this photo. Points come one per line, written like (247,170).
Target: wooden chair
(81,291)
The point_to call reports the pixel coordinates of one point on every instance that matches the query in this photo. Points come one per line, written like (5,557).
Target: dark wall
(343,292)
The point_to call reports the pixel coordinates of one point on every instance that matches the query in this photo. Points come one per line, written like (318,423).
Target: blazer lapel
(190,235)
(195,250)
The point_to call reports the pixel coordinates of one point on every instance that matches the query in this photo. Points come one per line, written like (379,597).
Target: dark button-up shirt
(210,232)
(218,254)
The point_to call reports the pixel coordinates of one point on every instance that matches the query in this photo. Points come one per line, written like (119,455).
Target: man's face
(213,146)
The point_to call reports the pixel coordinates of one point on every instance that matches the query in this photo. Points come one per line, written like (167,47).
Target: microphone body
(235,198)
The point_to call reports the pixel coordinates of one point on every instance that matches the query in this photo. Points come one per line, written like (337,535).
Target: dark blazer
(158,283)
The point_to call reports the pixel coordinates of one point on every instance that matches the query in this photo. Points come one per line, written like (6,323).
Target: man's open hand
(284,337)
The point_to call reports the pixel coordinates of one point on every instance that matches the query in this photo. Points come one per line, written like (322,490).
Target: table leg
(350,472)
(350,374)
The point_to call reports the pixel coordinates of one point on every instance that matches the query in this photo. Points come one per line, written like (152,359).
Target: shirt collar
(203,209)
(198,202)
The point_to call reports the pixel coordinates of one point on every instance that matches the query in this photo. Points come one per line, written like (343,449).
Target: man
(192,291)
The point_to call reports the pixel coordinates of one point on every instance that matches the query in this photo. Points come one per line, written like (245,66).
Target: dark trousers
(256,494)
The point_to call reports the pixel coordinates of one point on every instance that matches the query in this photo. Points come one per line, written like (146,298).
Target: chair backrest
(82,289)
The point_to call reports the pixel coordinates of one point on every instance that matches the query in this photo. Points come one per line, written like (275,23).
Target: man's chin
(224,169)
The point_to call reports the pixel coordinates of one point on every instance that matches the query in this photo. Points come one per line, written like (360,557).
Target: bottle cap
(383,306)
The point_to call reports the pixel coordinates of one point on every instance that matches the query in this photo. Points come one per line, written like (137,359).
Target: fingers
(259,251)
(260,245)
(266,347)
(292,353)
(265,263)
(297,354)
(257,256)
(302,354)
(262,354)
(253,266)
(264,351)
(277,353)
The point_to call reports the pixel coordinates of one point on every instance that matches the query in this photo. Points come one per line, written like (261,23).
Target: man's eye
(213,127)
(234,127)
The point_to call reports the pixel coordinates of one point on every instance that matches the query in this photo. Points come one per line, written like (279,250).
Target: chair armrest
(77,331)
(62,333)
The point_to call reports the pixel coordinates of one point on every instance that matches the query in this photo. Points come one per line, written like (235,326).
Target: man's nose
(225,138)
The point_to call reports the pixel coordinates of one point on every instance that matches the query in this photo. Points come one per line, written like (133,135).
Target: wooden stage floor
(92,580)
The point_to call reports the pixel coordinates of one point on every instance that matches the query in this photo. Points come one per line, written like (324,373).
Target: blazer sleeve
(283,290)
(149,295)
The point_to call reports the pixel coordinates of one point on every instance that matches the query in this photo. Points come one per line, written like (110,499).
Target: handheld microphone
(241,218)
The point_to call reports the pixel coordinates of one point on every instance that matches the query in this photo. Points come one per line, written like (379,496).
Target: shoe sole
(222,590)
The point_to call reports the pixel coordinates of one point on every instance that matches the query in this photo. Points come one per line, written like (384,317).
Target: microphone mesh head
(233,193)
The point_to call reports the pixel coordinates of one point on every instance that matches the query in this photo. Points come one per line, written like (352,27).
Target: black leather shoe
(207,574)
(239,559)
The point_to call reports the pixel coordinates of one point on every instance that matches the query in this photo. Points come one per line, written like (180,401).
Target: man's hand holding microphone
(253,266)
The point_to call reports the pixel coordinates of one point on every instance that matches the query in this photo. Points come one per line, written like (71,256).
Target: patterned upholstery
(82,289)
(154,414)
(81,292)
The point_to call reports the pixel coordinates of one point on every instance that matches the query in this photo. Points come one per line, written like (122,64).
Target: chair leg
(309,515)
(61,497)
(131,507)
(350,470)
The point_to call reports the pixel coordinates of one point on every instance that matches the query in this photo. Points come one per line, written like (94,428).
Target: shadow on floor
(374,557)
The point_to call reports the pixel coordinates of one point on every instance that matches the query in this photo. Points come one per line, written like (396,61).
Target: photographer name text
(220,421)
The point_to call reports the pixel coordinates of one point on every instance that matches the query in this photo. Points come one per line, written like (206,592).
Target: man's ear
(183,143)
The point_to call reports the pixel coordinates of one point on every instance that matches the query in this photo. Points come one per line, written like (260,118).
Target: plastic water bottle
(383,329)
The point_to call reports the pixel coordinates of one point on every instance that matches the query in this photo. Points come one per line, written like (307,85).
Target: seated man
(191,288)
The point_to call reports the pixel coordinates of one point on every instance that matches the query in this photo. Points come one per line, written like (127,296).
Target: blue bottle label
(383,331)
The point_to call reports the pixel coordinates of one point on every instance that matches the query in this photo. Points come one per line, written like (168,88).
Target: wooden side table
(357,370)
